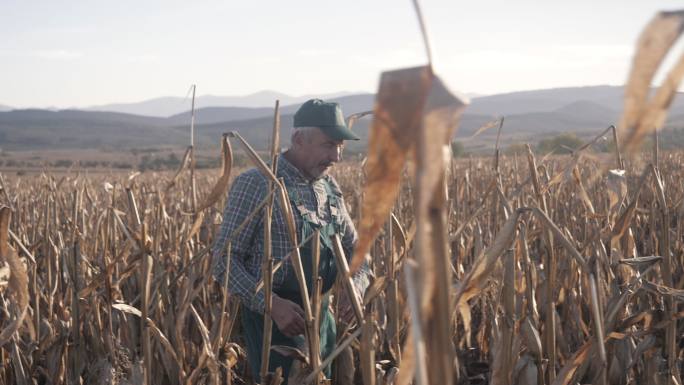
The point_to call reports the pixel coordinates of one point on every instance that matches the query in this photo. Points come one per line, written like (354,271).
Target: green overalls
(253,322)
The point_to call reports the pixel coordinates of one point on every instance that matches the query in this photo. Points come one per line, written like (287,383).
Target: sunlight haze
(82,53)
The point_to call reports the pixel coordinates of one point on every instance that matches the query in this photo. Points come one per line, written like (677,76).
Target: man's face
(318,152)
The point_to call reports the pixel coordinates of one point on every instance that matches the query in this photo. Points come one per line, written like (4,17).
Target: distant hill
(610,97)
(529,116)
(36,129)
(168,106)
(5,108)
(210,115)
(257,131)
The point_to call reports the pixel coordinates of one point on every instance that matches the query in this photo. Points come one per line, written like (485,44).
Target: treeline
(63,163)
(565,143)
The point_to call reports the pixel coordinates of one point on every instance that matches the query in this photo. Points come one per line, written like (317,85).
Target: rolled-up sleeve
(246,192)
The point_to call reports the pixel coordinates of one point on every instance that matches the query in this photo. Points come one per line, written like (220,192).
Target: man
(317,204)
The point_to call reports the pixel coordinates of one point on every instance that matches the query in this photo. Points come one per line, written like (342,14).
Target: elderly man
(316,145)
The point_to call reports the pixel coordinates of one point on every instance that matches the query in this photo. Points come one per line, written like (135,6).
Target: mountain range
(529,116)
(167,106)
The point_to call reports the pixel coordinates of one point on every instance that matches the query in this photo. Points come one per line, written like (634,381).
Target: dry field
(525,270)
(564,270)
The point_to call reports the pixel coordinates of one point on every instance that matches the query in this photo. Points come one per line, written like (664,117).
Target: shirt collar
(289,171)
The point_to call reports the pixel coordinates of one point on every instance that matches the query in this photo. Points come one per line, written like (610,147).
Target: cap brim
(340,133)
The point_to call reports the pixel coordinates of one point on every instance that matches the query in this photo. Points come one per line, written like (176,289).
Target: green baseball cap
(325,115)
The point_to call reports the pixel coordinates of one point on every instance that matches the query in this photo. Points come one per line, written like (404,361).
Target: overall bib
(252,322)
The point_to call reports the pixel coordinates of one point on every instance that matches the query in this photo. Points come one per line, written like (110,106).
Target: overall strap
(333,227)
(309,220)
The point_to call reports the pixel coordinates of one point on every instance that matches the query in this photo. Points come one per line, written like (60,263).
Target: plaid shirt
(247,246)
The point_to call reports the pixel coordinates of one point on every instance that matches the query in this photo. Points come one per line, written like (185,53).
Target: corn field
(524,269)
(568,271)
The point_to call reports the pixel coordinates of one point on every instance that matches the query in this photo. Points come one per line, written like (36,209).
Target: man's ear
(297,138)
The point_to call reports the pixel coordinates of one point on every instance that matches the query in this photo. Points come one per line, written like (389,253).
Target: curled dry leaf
(641,116)
(231,356)
(400,242)
(623,222)
(377,287)
(676,294)
(351,119)
(126,308)
(486,126)
(221,185)
(641,263)
(407,100)
(183,165)
(196,225)
(207,351)
(291,352)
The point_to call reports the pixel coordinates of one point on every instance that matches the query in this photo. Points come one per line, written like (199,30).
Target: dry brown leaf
(168,347)
(562,238)
(476,278)
(221,185)
(291,352)
(207,351)
(183,165)
(583,193)
(676,294)
(440,119)
(18,280)
(641,263)
(397,118)
(377,287)
(351,119)
(565,175)
(486,126)
(254,157)
(400,242)
(196,225)
(565,375)
(639,116)
(625,220)
(126,308)
(531,337)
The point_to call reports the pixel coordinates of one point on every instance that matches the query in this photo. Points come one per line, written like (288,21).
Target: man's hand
(288,316)
(346,308)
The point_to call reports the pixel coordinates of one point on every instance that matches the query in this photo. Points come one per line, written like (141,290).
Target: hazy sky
(85,52)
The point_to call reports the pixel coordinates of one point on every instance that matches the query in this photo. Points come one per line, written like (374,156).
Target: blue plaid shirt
(247,246)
